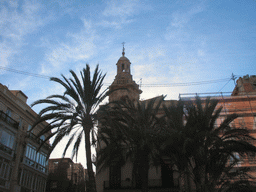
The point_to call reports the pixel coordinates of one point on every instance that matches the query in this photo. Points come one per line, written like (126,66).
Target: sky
(171,44)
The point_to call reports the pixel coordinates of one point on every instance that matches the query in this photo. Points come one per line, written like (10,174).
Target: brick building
(242,101)
(65,175)
(22,168)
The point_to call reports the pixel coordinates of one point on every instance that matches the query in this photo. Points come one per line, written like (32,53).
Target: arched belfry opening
(123,84)
(123,69)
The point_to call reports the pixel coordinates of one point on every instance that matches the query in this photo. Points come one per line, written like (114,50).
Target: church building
(117,178)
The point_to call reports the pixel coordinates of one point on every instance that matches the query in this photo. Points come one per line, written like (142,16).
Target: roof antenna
(123,53)
(233,78)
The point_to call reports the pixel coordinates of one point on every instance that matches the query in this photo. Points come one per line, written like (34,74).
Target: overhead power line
(25,73)
(181,84)
(141,84)
(186,84)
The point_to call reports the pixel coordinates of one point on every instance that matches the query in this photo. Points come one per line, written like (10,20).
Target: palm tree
(201,150)
(129,132)
(73,114)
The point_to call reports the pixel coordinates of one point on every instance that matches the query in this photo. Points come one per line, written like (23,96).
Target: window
(7,139)
(20,123)
(236,159)
(55,166)
(31,153)
(5,170)
(254,85)
(42,137)
(254,122)
(114,175)
(34,159)
(123,70)
(29,128)
(9,112)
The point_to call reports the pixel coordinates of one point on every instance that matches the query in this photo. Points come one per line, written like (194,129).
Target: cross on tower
(123,49)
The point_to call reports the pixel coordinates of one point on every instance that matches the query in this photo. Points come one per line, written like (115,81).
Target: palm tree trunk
(143,171)
(144,176)
(91,184)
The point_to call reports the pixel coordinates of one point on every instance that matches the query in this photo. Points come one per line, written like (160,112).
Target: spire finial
(123,53)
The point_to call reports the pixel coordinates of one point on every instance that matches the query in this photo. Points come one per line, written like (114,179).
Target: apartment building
(22,168)
(65,175)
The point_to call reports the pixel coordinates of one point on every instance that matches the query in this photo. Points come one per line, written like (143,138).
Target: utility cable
(181,84)
(25,73)
(107,84)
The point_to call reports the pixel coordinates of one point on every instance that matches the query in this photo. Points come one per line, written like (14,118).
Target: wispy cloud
(119,13)
(180,21)
(115,24)
(181,18)
(16,22)
(120,8)
(79,47)
(5,53)
(190,49)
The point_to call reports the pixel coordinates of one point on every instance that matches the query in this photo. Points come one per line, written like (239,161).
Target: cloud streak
(120,8)
(16,22)
(79,47)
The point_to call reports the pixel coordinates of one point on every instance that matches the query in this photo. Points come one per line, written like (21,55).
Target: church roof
(123,58)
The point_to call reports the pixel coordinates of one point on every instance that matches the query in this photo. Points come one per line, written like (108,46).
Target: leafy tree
(73,113)
(129,132)
(204,153)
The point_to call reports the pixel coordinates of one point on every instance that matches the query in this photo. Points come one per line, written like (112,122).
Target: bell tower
(123,86)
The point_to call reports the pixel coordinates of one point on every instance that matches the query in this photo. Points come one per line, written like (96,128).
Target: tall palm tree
(129,132)
(200,149)
(73,113)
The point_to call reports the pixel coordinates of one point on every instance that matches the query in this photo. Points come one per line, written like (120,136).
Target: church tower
(123,86)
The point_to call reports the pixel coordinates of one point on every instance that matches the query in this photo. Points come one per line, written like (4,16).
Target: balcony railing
(38,140)
(127,184)
(6,149)
(9,120)
(34,164)
(248,160)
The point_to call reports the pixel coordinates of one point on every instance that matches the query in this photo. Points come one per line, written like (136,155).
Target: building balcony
(127,185)
(39,141)
(7,119)
(34,165)
(6,149)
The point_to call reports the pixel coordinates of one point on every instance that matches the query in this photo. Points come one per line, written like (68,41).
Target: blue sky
(166,41)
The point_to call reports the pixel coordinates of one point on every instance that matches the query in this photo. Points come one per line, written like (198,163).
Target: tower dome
(123,85)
